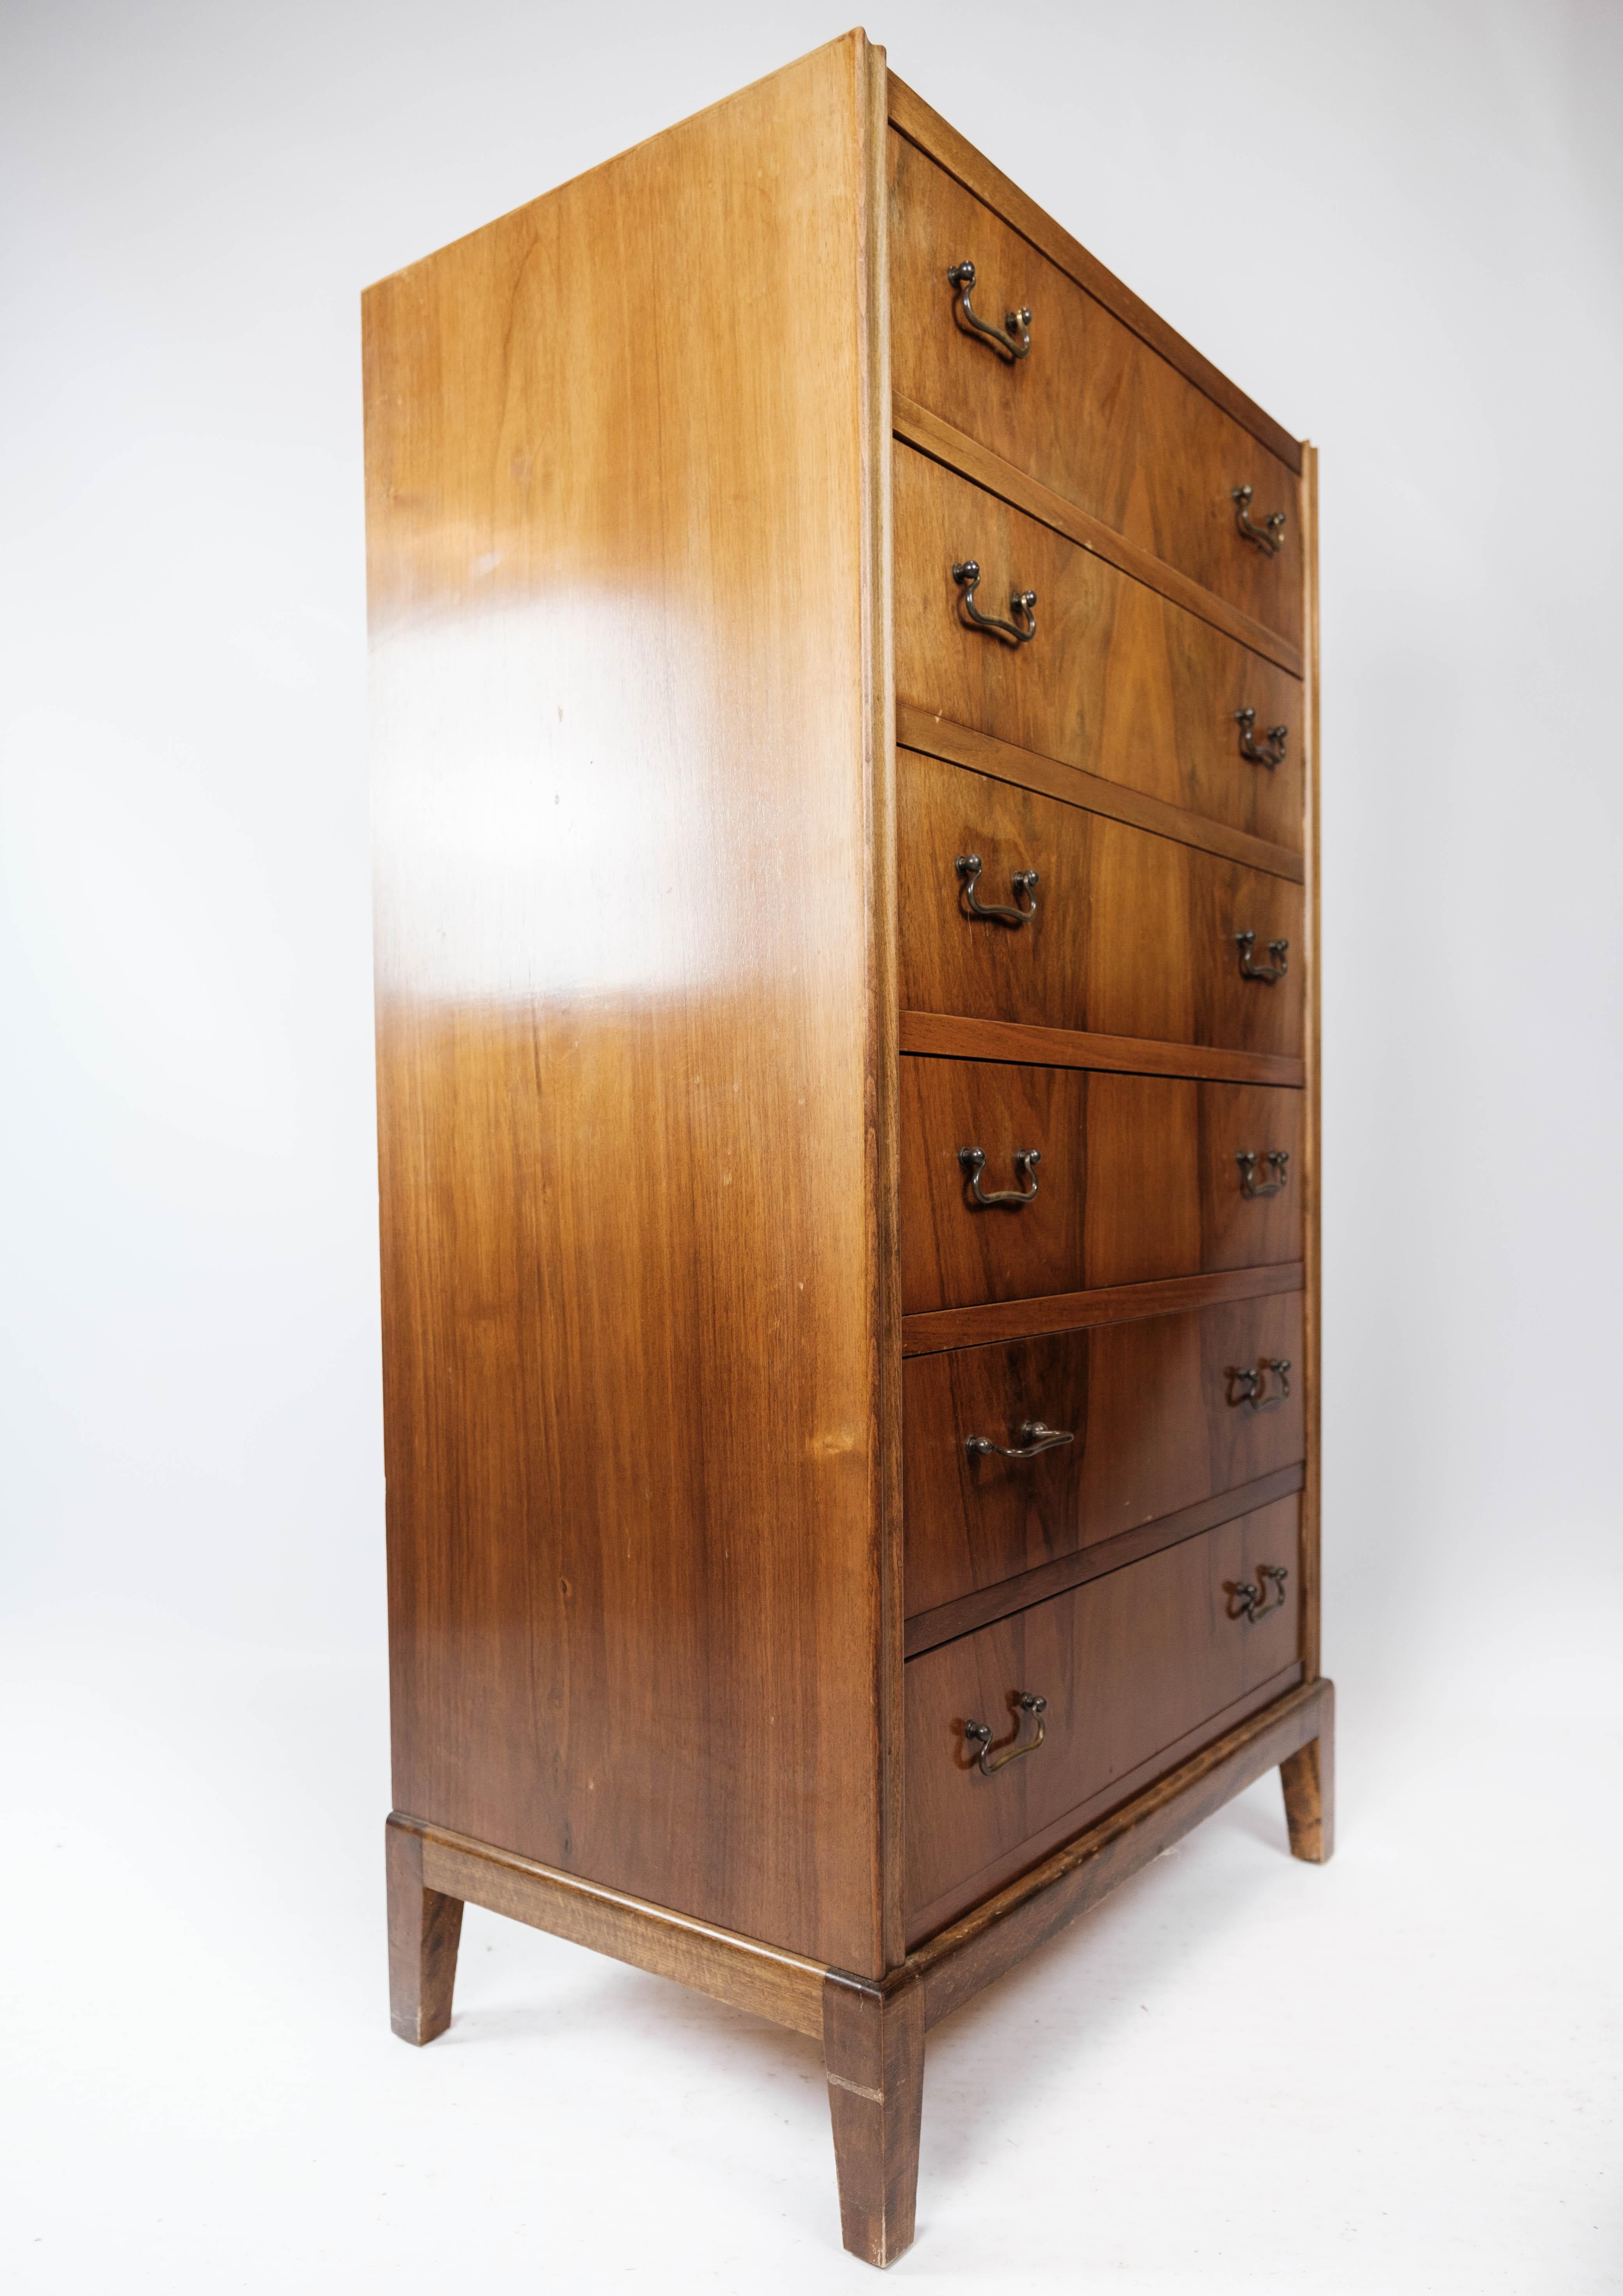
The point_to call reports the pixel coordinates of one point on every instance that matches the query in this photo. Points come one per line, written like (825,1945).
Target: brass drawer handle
(979,1734)
(1032,1438)
(1246,1595)
(1024,881)
(1023,603)
(1270,751)
(973,1161)
(1010,341)
(1249,1390)
(1270,536)
(1246,942)
(1247,1159)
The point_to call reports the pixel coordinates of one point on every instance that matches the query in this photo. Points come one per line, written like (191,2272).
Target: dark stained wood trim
(960,1960)
(956,1037)
(1072,1311)
(884,998)
(1002,761)
(945,1623)
(913,118)
(917,427)
(781,1986)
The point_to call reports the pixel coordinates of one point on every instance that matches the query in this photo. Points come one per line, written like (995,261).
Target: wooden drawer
(1133,935)
(1118,680)
(1091,411)
(1158,1424)
(1138,1180)
(1138,1669)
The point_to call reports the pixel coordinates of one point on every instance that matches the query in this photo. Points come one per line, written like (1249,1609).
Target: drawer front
(1132,1666)
(1138,1178)
(1116,680)
(1090,410)
(1131,935)
(1158,1421)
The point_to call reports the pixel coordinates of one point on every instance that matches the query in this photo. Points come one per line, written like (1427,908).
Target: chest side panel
(615,454)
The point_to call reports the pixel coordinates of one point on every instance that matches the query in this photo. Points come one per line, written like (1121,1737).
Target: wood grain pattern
(1130,1665)
(1308,1779)
(675,1250)
(1138,1180)
(1130,935)
(1118,681)
(927,1629)
(884,994)
(917,425)
(977,1888)
(1148,1405)
(625,694)
(961,1959)
(1236,1230)
(424,1932)
(913,117)
(938,737)
(953,1036)
(1074,1311)
(784,1987)
(873,2046)
(1312,1119)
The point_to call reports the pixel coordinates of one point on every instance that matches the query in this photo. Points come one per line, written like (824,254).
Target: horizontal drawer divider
(943,442)
(959,1037)
(1072,1311)
(1002,761)
(988,1603)
(913,118)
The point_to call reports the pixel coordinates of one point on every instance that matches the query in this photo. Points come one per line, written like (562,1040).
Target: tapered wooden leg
(424,1931)
(1309,1780)
(873,2044)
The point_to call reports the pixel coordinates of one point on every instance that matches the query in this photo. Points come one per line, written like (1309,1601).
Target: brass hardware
(1033,1436)
(973,1161)
(1246,1595)
(1270,536)
(1248,1160)
(1246,942)
(1020,602)
(1249,1388)
(980,1734)
(1024,881)
(1270,751)
(1010,341)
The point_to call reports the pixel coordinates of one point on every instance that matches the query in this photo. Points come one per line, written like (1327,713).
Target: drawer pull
(973,1161)
(1022,602)
(1024,881)
(1010,341)
(1249,1159)
(980,1734)
(1246,942)
(1032,1438)
(1270,536)
(1249,1390)
(1270,751)
(1247,1597)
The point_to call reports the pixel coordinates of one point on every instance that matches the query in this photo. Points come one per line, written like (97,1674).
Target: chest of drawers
(844,766)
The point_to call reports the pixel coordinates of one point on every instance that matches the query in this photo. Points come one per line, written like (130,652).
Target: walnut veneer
(806,1577)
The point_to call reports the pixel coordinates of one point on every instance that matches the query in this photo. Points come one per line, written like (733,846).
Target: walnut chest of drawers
(843,700)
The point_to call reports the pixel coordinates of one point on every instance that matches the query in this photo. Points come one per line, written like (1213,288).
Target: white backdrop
(1399,225)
